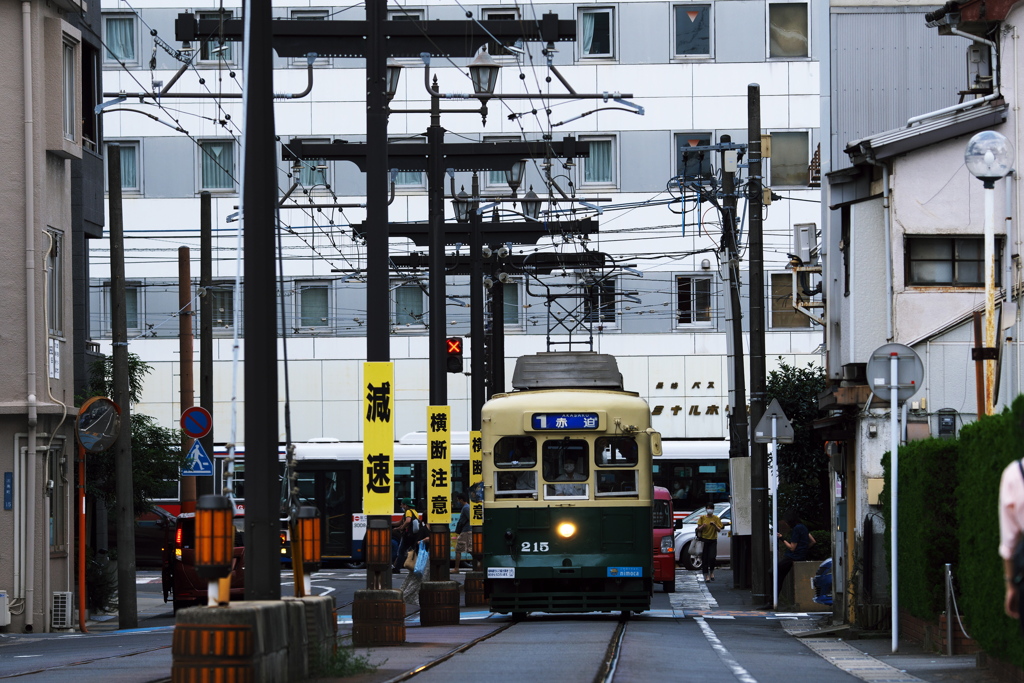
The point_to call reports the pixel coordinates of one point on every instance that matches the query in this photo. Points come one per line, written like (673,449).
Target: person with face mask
(708,526)
(569,473)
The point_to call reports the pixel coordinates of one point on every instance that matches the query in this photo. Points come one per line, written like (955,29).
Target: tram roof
(567,370)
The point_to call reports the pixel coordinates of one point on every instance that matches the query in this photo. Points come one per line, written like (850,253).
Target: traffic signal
(453,354)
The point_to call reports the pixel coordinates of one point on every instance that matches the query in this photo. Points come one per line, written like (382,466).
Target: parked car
(687,529)
(181,583)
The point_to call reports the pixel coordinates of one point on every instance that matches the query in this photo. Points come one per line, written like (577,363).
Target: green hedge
(949,512)
(987,447)
(928,522)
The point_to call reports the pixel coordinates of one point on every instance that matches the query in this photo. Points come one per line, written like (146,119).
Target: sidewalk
(868,657)
(151,609)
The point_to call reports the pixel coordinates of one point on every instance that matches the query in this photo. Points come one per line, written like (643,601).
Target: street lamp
(461,204)
(514,176)
(394,74)
(989,157)
(531,204)
(483,71)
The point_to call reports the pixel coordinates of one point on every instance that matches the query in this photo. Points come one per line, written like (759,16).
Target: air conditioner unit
(5,610)
(805,243)
(62,609)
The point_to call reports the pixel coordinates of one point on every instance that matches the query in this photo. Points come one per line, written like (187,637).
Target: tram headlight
(566,529)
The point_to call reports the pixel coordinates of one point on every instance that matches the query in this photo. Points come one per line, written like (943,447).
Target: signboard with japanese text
(476,478)
(439,465)
(378,438)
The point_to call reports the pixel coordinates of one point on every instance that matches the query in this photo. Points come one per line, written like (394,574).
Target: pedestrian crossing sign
(197,462)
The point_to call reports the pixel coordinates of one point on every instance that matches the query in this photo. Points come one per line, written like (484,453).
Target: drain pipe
(887,226)
(30,319)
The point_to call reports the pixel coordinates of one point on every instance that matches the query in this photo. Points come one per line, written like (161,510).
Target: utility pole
(127,610)
(738,433)
(760,550)
(476,310)
(185,353)
(206,485)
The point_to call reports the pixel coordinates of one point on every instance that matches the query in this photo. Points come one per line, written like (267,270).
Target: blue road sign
(197,463)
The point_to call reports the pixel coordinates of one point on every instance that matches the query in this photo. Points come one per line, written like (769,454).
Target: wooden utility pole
(185,347)
(759,549)
(127,603)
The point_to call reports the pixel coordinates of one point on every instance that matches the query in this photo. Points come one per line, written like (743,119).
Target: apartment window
(496,48)
(221,300)
(496,179)
(783,314)
(599,302)
(91,96)
(787,30)
(309,15)
(510,303)
(119,38)
(129,166)
(599,167)
(69,91)
(410,180)
(790,161)
(213,49)
(55,283)
(313,304)
(409,304)
(406,14)
(949,261)
(693,304)
(693,30)
(131,305)
(689,162)
(217,164)
(57,474)
(596,33)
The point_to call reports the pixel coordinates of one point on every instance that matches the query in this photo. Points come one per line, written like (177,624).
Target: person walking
(464,544)
(1011,527)
(408,528)
(708,526)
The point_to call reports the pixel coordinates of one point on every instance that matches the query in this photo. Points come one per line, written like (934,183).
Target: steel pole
(476,311)
(894,445)
(773,479)
(436,279)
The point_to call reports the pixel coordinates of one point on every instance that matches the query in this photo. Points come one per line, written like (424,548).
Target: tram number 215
(536,547)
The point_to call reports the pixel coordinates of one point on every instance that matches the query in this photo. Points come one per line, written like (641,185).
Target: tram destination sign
(567,421)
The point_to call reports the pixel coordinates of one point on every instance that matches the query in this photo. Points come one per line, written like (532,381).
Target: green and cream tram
(567,489)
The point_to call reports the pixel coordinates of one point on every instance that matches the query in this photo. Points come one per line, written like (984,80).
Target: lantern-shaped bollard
(308,523)
(215,542)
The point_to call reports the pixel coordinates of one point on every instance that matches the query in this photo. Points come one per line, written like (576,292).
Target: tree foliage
(156,450)
(803,464)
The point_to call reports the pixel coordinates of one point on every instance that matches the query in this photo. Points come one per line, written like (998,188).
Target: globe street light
(989,157)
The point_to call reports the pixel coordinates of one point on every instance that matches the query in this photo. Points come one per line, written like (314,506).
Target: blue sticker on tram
(564,421)
(626,572)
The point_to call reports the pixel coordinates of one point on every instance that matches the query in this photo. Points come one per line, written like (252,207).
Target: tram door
(329,488)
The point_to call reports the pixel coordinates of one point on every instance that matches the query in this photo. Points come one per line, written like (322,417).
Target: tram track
(605,673)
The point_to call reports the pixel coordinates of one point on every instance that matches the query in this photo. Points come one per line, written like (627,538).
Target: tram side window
(566,460)
(522,484)
(515,451)
(620,483)
(615,451)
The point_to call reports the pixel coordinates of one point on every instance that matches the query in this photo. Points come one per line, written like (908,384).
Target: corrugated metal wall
(888,66)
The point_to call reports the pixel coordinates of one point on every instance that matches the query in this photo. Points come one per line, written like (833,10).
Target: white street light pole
(894,478)
(989,157)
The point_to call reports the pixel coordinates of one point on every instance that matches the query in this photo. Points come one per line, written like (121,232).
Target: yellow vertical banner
(379,438)
(439,465)
(476,478)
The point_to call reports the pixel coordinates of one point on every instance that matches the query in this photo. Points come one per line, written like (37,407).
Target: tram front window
(566,460)
(616,451)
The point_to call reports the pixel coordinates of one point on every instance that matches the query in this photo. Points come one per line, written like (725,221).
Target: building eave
(928,131)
